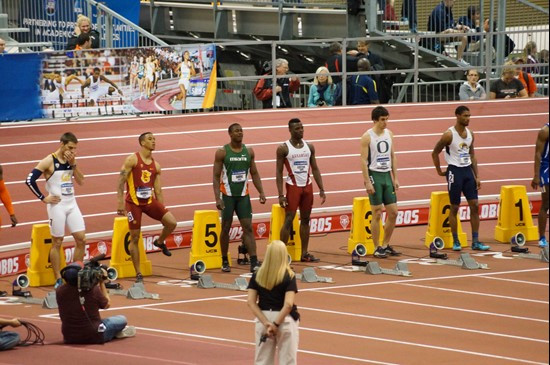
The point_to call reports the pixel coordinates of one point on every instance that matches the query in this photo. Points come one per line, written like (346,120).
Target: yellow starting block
(514,215)
(438,222)
(294,244)
(361,219)
(120,252)
(40,271)
(205,242)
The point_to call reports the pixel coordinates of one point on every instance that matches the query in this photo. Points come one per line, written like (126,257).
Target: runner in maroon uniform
(141,175)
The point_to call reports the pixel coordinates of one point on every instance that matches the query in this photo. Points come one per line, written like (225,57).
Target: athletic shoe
(543,242)
(58,283)
(307,257)
(456,246)
(139,278)
(254,266)
(380,252)
(480,246)
(128,331)
(226,267)
(163,247)
(391,251)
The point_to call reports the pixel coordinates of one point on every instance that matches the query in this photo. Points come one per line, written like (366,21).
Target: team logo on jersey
(463,146)
(145,176)
(261,229)
(344,221)
(56,165)
(66,177)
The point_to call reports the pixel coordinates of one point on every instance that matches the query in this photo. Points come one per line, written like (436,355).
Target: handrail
(534,6)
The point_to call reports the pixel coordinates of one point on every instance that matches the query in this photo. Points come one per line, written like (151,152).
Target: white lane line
(477,293)
(278,126)
(515,281)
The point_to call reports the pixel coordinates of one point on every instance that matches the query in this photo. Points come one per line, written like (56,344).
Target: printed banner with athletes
(128,81)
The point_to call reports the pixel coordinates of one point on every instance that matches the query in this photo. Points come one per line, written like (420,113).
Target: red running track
(505,134)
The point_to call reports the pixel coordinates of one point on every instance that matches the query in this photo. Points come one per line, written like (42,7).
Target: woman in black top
(271,294)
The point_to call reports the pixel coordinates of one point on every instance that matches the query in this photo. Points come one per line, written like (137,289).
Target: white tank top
(185,71)
(60,183)
(94,85)
(458,152)
(379,151)
(297,165)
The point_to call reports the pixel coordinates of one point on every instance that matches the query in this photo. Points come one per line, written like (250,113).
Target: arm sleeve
(6,198)
(462,93)
(31,183)
(261,92)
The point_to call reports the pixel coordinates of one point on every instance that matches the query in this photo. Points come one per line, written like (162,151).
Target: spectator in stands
(375,61)
(530,57)
(509,44)
(321,93)
(441,21)
(83,41)
(525,77)
(389,14)
(472,89)
(285,85)
(408,13)
(508,86)
(83,25)
(334,62)
(362,88)
(471,19)
(2,46)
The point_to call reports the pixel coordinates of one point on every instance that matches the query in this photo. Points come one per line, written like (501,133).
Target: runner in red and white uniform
(298,157)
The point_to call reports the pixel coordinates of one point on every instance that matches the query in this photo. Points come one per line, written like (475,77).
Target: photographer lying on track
(80,299)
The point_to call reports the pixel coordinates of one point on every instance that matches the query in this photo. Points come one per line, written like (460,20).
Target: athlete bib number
(300,167)
(144,192)
(238,176)
(383,163)
(67,189)
(464,159)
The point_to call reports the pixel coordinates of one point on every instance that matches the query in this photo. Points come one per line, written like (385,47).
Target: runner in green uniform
(232,165)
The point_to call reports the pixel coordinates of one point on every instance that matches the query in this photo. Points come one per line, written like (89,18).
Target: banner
(20,98)
(322,224)
(128,81)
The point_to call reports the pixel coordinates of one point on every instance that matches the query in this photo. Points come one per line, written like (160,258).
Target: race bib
(464,159)
(144,192)
(238,176)
(67,189)
(383,163)
(300,167)
(94,87)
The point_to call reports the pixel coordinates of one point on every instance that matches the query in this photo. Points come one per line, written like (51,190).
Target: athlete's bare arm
(256,179)
(474,163)
(445,140)
(70,157)
(393,164)
(282,152)
(216,176)
(69,79)
(85,85)
(542,137)
(103,78)
(158,185)
(125,171)
(365,150)
(317,174)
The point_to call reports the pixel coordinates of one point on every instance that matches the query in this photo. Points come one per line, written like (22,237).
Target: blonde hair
(275,266)
(82,18)
(509,67)
(322,69)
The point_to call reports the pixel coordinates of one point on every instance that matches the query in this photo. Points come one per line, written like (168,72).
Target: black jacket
(94,35)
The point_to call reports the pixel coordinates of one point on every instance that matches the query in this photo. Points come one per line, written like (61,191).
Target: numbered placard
(360,232)
(40,271)
(514,214)
(120,251)
(294,244)
(205,244)
(438,222)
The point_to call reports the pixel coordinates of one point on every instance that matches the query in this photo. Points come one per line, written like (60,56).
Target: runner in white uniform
(186,71)
(59,169)
(96,88)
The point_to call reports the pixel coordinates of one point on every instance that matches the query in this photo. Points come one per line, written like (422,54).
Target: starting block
(137,291)
(542,256)
(294,244)
(48,302)
(40,271)
(120,252)
(206,282)
(465,261)
(310,276)
(514,215)
(438,221)
(401,269)
(360,232)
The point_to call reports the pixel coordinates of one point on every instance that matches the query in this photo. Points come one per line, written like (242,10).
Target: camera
(321,102)
(93,272)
